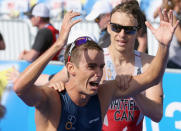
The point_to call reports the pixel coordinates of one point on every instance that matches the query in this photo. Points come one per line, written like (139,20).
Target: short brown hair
(131,7)
(76,51)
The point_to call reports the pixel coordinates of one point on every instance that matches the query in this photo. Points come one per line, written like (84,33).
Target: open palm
(165,31)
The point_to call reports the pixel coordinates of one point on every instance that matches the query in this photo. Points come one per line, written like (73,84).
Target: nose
(121,33)
(99,72)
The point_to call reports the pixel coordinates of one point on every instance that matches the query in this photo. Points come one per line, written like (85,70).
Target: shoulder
(51,98)
(44,34)
(44,31)
(49,112)
(146,60)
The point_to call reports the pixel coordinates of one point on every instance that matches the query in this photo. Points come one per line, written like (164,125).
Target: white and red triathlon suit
(123,114)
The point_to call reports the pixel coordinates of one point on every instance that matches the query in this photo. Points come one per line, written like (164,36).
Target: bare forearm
(150,108)
(151,77)
(157,68)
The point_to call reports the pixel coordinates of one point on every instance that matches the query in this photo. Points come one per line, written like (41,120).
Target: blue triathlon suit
(75,118)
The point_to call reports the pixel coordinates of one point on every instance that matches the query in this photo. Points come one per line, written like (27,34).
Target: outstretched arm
(24,86)
(154,73)
(153,99)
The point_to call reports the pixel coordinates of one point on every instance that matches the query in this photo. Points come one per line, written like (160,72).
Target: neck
(121,57)
(42,25)
(79,98)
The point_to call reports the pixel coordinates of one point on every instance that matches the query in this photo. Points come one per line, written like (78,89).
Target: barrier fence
(19,35)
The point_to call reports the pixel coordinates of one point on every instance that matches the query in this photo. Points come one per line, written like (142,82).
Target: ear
(71,68)
(39,18)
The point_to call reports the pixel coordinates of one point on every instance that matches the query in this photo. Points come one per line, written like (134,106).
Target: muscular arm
(24,85)
(152,76)
(153,99)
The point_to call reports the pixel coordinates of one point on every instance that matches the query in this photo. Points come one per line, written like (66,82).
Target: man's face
(35,20)
(122,40)
(102,20)
(89,71)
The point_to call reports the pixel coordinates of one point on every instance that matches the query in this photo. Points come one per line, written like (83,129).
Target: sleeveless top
(123,114)
(75,118)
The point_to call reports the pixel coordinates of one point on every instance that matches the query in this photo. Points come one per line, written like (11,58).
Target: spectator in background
(46,35)
(2,43)
(174,60)
(100,13)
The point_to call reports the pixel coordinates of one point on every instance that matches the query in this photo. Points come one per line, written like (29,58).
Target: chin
(120,48)
(93,92)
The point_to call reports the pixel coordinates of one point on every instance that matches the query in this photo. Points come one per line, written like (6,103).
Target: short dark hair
(132,7)
(76,51)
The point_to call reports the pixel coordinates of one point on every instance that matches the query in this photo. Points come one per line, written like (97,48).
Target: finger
(61,87)
(75,14)
(72,14)
(50,85)
(57,86)
(150,26)
(170,16)
(75,22)
(160,14)
(165,15)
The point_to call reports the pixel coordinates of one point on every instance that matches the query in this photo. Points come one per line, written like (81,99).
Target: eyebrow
(136,26)
(94,64)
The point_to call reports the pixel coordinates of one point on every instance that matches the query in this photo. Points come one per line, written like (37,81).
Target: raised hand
(165,31)
(67,24)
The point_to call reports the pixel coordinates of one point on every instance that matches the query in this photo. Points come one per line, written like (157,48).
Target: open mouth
(94,83)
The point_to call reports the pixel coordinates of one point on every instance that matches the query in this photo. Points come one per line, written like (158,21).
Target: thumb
(150,26)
